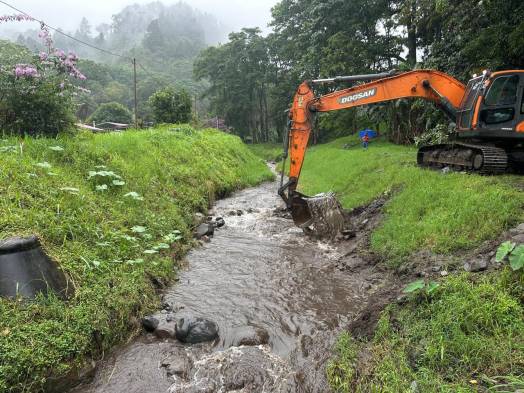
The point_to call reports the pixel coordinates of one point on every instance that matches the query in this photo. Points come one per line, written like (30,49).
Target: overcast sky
(67,14)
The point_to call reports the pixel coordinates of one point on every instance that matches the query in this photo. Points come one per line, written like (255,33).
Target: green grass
(428,210)
(174,173)
(268,151)
(468,333)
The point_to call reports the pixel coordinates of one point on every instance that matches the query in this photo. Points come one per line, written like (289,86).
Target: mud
(259,273)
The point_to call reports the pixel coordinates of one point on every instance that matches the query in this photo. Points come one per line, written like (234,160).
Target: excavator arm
(441,89)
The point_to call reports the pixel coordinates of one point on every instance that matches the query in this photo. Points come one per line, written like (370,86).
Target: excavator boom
(439,88)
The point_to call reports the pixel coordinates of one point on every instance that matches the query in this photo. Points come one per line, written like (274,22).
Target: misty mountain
(154,30)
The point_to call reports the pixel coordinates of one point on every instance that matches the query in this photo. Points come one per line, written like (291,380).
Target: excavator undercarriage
(488,160)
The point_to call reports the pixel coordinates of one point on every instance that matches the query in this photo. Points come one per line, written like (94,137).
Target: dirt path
(259,277)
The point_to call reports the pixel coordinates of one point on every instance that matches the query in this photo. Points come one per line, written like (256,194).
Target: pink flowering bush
(38,94)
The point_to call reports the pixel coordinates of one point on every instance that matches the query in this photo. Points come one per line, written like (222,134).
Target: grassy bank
(115,211)
(465,337)
(467,333)
(428,210)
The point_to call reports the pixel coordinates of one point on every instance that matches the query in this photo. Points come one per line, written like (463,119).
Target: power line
(65,34)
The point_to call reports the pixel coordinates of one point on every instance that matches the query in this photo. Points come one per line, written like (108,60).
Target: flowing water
(258,272)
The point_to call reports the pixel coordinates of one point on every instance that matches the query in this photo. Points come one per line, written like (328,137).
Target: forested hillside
(164,39)
(253,77)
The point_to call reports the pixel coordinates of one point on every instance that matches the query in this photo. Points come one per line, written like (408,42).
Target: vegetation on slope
(428,210)
(466,333)
(115,211)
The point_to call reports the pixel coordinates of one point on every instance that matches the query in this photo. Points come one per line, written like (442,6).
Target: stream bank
(267,285)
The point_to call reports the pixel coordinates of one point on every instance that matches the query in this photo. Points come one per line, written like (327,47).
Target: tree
(171,106)
(111,112)
(239,72)
(36,91)
(84,30)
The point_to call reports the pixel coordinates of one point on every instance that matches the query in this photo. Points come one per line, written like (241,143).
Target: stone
(179,366)
(520,228)
(220,222)
(240,213)
(476,265)
(444,273)
(196,330)
(519,239)
(150,324)
(204,229)
(199,218)
(165,330)
(251,337)
(436,269)
(166,306)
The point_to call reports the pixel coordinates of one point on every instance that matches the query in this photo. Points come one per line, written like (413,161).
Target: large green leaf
(516,258)
(504,250)
(415,286)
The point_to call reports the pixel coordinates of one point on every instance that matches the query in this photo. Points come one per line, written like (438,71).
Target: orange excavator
(488,113)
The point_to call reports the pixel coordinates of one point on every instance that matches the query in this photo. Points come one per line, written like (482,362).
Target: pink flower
(15,18)
(60,54)
(43,56)
(26,71)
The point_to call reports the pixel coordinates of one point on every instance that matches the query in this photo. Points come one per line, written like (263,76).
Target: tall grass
(105,207)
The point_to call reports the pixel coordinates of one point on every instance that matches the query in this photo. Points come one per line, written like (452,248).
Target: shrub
(113,112)
(37,91)
(171,106)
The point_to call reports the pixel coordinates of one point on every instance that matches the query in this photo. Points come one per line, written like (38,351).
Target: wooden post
(136,96)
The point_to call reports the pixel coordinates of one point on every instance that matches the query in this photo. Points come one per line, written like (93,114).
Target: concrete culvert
(25,270)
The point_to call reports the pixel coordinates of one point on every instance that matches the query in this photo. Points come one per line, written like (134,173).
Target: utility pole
(196,109)
(136,99)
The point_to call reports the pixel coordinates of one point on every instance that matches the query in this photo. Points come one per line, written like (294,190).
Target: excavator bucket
(322,214)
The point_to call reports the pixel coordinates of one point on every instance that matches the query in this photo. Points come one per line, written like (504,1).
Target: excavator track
(488,160)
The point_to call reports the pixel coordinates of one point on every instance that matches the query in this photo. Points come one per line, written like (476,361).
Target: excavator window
(497,116)
(500,100)
(503,91)
(465,115)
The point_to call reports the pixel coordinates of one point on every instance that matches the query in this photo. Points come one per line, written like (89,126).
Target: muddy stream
(263,282)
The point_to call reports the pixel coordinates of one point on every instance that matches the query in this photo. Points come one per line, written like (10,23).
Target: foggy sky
(66,14)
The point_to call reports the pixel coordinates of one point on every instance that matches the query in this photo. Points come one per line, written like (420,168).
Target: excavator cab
(493,102)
